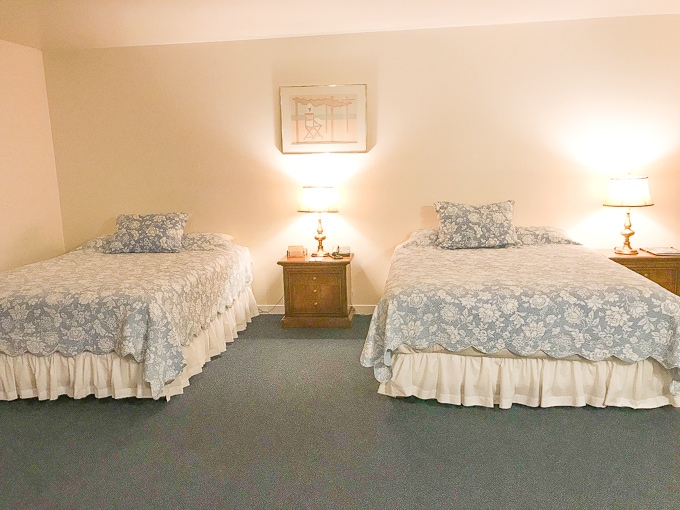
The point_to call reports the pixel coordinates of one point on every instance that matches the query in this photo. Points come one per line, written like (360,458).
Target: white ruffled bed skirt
(537,382)
(109,375)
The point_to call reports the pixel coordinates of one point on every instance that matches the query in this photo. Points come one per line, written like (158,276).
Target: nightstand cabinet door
(317,292)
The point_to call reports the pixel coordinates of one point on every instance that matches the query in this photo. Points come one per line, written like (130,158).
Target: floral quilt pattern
(562,299)
(142,304)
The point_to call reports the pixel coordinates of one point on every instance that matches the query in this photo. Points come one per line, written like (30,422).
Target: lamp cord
(265,312)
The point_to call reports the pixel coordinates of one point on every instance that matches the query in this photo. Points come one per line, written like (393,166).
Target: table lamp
(319,199)
(628,191)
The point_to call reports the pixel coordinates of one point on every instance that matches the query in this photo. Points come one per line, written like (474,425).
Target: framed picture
(323,118)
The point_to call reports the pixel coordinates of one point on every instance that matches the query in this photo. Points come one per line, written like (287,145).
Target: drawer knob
(313,277)
(646,275)
(315,291)
(315,303)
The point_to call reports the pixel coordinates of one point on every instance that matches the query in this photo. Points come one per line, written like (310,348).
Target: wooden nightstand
(664,270)
(317,292)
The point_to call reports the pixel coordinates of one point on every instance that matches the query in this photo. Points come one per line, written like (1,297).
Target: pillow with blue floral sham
(97,244)
(198,241)
(528,236)
(147,233)
(475,226)
(422,237)
(205,241)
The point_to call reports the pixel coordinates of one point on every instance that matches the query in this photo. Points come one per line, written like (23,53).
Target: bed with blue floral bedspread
(542,297)
(148,306)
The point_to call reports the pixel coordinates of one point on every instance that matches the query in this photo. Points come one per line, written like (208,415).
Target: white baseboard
(279,309)
(273,309)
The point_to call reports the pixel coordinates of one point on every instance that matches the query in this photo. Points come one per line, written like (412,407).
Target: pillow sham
(422,237)
(205,241)
(197,241)
(469,226)
(97,244)
(147,233)
(528,236)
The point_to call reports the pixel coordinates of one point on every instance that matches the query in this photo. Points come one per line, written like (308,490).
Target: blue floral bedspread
(562,299)
(144,304)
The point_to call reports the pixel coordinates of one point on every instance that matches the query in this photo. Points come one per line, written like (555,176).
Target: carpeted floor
(289,419)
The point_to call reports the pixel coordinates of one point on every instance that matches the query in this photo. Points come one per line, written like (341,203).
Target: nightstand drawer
(656,275)
(308,299)
(664,270)
(312,278)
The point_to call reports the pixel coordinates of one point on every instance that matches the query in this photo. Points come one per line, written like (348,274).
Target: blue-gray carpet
(289,419)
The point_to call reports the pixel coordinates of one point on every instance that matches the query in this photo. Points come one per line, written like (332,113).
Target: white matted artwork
(323,118)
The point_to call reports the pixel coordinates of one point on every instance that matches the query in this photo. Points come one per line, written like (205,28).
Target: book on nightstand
(664,250)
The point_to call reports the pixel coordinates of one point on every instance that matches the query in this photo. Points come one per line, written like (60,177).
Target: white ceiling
(52,24)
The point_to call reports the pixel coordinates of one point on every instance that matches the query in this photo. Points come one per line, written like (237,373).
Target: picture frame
(323,118)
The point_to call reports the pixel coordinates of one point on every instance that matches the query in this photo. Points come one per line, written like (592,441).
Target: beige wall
(30,229)
(540,113)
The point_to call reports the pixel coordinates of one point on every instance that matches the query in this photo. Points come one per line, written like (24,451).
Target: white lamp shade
(628,191)
(318,199)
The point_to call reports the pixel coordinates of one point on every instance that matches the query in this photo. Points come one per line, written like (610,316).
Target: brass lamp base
(320,252)
(626,249)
